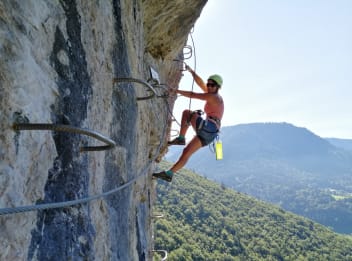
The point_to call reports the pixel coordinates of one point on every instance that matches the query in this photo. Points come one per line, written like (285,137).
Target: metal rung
(67,128)
(162,251)
(158,215)
(118,80)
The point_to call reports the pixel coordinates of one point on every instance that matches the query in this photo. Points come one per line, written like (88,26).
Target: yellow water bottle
(218,149)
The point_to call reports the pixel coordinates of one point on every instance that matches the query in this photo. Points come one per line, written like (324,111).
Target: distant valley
(285,165)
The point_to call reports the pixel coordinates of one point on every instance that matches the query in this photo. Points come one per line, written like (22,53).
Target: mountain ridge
(341,143)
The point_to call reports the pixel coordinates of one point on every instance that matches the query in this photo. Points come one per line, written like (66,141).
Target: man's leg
(186,120)
(191,148)
(187,152)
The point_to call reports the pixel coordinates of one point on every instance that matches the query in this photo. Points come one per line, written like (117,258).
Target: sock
(169,172)
(181,137)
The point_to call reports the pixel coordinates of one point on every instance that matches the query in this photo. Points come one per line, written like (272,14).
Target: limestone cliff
(58,62)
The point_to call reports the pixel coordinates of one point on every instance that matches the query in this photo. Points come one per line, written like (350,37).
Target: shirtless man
(206,129)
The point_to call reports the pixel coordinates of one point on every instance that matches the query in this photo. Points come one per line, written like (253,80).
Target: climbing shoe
(177,141)
(164,175)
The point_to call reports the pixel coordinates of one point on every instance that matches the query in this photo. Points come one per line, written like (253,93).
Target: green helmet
(216,78)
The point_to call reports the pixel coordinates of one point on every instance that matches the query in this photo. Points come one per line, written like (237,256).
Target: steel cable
(13,210)
(4,211)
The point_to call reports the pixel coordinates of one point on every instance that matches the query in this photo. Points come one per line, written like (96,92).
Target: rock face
(58,62)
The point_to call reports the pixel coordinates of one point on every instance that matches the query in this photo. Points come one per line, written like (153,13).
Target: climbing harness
(67,128)
(216,120)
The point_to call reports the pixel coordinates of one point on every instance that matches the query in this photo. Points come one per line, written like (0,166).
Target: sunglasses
(211,84)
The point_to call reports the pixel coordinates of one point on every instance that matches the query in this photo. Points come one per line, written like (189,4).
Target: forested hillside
(207,221)
(285,165)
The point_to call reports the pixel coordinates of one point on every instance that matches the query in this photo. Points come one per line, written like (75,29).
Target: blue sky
(281,60)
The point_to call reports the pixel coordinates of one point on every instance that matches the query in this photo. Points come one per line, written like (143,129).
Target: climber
(206,129)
